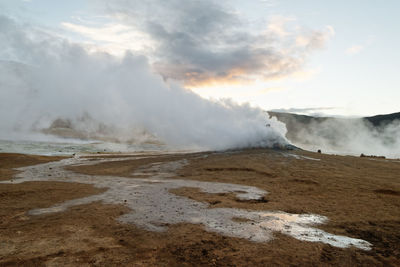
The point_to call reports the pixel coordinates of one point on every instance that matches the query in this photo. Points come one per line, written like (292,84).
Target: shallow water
(73,146)
(154,207)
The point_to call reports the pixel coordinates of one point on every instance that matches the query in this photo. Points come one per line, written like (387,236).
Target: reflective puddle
(154,207)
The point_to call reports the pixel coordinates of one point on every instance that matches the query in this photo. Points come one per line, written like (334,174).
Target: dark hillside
(380,120)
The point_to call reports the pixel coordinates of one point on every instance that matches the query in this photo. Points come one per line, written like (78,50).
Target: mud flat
(259,207)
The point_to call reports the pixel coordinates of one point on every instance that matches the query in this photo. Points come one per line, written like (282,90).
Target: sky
(306,56)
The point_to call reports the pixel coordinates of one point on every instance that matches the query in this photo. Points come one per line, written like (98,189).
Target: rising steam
(353,136)
(49,85)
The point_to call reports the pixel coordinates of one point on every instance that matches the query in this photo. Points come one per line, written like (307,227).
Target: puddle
(310,158)
(299,156)
(154,207)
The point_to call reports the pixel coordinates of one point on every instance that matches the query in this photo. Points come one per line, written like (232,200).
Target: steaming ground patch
(154,207)
(379,135)
(64,90)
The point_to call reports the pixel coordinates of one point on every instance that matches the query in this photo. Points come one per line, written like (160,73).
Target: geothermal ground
(251,207)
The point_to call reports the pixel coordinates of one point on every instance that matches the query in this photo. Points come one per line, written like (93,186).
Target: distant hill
(376,135)
(380,120)
(293,121)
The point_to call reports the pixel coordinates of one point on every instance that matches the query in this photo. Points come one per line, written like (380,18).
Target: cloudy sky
(309,56)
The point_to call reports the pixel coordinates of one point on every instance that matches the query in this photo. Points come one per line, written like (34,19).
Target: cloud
(113,38)
(315,39)
(270,3)
(358,48)
(209,42)
(278,25)
(354,49)
(305,74)
(318,111)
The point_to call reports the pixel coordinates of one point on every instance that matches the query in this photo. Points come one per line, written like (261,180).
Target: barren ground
(360,196)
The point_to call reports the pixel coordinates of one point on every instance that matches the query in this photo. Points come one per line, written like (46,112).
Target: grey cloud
(206,40)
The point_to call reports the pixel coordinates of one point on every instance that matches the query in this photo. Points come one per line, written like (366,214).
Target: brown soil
(9,161)
(360,196)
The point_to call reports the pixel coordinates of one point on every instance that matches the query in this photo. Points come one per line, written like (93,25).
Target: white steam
(47,82)
(346,136)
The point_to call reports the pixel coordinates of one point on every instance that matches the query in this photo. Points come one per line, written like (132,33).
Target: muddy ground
(360,196)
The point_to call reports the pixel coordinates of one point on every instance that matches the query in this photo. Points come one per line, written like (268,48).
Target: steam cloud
(47,82)
(344,136)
